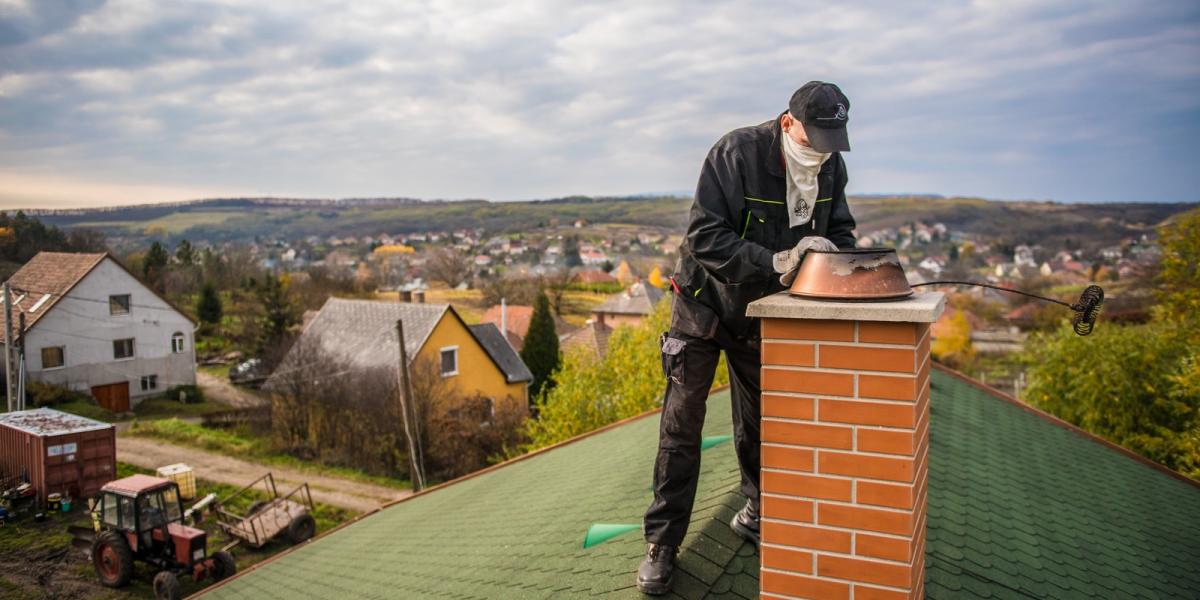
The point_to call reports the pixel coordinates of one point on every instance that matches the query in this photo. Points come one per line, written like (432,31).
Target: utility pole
(8,346)
(418,478)
(21,361)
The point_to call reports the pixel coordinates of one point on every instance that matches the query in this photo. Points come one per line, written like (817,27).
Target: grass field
(171,223)
(243,443)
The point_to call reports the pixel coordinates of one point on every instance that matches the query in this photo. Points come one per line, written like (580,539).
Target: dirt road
(151,454)
(219,389)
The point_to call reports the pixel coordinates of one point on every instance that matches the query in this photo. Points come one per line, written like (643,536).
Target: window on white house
(177,342)
(449,361)
(149,382)
(123,348)
(118,304)
(53,357)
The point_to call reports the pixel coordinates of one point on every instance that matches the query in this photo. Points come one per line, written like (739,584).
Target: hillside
(243,220)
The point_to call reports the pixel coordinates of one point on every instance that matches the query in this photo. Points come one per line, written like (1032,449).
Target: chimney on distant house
(845,440)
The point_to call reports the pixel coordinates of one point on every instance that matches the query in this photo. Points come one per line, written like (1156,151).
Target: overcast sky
(128,102)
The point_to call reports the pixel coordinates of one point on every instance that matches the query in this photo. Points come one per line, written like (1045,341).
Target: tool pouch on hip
(693,318)
(672,358)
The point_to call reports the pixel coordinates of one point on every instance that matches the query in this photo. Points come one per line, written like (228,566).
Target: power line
(68,296)
(98,339)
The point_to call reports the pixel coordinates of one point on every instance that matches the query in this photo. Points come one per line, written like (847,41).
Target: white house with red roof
(93,327)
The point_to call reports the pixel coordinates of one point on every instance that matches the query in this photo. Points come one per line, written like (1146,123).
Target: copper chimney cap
(853,274)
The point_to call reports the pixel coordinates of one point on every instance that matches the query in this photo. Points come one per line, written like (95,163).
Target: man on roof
(767,194)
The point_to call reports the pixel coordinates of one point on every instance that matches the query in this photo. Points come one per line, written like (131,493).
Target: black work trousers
(690,363)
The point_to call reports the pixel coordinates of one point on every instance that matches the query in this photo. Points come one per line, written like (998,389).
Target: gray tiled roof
(639,299)
(499,349)
(363,332)
(593,336)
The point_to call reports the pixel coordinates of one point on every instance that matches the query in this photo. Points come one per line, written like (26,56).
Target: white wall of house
(83,325)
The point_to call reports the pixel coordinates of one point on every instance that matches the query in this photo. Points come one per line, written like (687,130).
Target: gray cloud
(1071,100)
(24,21)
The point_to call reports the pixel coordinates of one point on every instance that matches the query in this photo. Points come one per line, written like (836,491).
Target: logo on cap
(840,116)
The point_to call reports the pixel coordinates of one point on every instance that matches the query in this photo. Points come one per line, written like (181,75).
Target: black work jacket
(738,220)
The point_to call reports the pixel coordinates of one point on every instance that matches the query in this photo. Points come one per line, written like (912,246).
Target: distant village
(619,272)
(605,255)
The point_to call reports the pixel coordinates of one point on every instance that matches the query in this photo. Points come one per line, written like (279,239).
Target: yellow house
(471,358)
(476,358)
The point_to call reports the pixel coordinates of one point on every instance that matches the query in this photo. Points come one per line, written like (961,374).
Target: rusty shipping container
(57,452)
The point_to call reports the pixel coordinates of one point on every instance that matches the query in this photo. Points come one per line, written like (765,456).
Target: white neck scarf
(802,166)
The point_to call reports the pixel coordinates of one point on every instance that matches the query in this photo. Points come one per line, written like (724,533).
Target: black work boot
(655,572)
(745,522)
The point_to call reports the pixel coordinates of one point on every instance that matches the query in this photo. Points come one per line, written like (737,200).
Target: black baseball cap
(824,110)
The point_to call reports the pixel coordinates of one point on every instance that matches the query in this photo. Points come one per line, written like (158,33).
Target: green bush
(44,394)
(591,393)
(1135,385)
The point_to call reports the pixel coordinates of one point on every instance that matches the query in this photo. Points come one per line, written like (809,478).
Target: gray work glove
(787,263)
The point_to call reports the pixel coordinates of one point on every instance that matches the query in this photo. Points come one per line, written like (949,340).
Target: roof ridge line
(1065,424)
(386,302)
(439,486)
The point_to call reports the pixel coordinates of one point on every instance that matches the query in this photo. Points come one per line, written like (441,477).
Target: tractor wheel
(166,586)
(301,528)
(255,507)
(225,567)
(112,559)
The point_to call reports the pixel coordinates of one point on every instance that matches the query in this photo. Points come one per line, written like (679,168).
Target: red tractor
(141,518)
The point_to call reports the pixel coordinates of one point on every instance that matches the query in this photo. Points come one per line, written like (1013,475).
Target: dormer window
(118,304)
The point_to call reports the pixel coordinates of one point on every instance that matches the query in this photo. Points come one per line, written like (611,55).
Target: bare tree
(325,409)
(473,432)
(555,284)
(448,266)
(516,290)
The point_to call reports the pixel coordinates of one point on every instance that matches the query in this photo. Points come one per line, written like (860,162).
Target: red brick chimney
(845,440)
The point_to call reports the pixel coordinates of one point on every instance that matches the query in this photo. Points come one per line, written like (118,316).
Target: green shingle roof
(1019,507)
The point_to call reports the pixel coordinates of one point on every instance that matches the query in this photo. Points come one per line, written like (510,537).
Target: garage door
(114,396)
